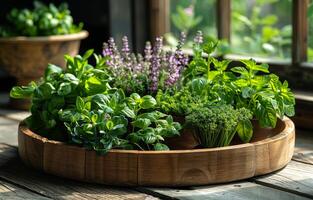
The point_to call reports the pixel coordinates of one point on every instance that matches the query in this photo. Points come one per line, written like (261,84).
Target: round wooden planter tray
(270,150)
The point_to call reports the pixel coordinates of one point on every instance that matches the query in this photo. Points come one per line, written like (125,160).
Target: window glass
(262,28)
(190,16)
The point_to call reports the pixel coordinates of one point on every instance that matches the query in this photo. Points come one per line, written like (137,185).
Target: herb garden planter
(26,58)
(268,151)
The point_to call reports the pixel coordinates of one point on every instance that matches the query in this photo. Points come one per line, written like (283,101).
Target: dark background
(101,18)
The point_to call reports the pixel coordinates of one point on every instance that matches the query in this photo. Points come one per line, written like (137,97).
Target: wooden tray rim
(289,127)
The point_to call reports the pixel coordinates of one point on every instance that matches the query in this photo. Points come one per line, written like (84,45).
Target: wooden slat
(295,178)
(7,153)
(223,13)
(304,147)
(57,188)
(300,31)
(234,191)
(159,17)
(16,115)
(8,131)
(12,192)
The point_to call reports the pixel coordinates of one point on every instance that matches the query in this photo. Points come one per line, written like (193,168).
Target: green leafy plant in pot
(32,38)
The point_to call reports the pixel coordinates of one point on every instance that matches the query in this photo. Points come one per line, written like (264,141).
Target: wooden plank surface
(15,172)
(11,192)
(293,182)
(6,153)
(235,191)
(296,178)
(304,147)
(17,115)
(8,131)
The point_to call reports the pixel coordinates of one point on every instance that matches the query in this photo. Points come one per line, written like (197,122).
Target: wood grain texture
(115,168)
(270,150)
(233,191)
(64,160)
(7,152)
(54,187)
(296,177)
(159,17)
(197,167)
(304,147)
(31,147)
(12,192)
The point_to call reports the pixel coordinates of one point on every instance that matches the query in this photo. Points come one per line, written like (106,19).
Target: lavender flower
(148,52)
(106,50)
(177,61)
(144,72)
(182,40)
(156,64)
(125,54)
(198,40)
(125,48)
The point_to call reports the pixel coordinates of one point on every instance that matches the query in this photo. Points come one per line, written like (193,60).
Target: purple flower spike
(125,48)
(182,40)
(126,54)
(148,52)
(199,38)
(112,45)
(156,64)
(106,50)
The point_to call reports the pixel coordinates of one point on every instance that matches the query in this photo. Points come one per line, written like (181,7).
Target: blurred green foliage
(260,28)
(42,20)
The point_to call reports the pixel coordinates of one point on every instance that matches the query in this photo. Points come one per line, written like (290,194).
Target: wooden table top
(17,181)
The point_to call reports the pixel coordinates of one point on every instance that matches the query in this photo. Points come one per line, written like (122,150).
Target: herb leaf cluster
(248,86)
(42,20)
(80,101)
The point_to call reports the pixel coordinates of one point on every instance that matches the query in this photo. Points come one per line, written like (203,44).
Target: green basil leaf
(94,118)
(88,54)
(160,147)
(289,110)
(64,89)
(134,137)
(109,124)
(80,104)
(240,70)
(247,92)
(141,123)
(128,112)
(20,92)
(245,130)
(147,102)
(52,69)
(198,85)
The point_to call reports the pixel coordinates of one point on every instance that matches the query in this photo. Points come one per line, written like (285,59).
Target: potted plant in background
(33,38)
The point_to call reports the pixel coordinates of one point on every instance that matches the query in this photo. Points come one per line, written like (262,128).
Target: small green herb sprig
(215,126)
(43,20)
(81,101)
